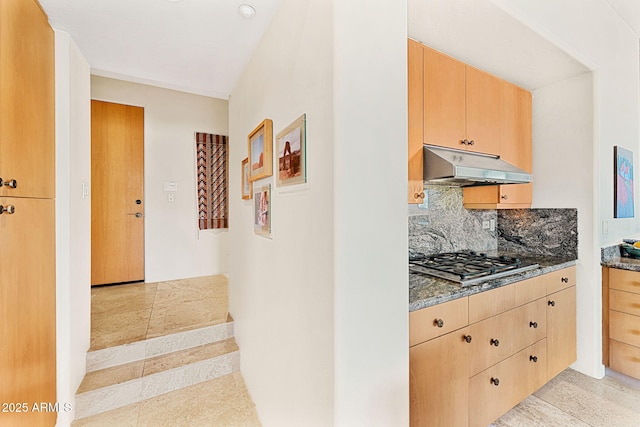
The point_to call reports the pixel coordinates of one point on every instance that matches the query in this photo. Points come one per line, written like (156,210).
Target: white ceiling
(197,46)
(202,46)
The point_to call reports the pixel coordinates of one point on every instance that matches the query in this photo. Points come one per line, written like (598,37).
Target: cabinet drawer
(624,327)
(624,358)
(626,302)
(511,331)
(624,280)
(438,320)
(517,377)
(561,279)
(496,301)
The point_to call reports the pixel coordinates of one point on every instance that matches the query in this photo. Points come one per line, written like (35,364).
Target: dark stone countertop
(612,257)
(425,291)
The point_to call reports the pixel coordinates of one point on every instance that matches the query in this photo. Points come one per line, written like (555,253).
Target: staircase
(155,380)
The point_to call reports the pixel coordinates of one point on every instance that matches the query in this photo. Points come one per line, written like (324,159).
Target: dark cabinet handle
(12,183)
(533,325)
(472,142)
(495,381)
(551,303)
(534,359)
(439,323)
(418,195)
(495,342)
(464,142)
(565,280)
(138,202)
(9,209)
(504,197)
(467,338)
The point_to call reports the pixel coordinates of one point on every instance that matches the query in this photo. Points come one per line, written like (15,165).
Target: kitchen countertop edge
(429,291)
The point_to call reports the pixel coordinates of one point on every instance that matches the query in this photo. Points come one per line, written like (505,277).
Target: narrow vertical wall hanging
(212,181)
(623,183)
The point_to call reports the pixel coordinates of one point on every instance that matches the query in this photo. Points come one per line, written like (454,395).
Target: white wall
(73,219)
(281,289)
(563,178)
(593,33)
(321,309)
(370,213)
(174,248)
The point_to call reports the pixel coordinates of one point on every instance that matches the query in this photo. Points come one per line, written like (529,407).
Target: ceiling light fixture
(246,11)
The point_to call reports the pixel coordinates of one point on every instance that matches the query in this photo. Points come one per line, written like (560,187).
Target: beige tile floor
(575,400)
(123,314)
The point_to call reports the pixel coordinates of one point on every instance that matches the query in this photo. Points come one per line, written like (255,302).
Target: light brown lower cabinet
(439,381)
(499,388)
(621,320)
(518,337)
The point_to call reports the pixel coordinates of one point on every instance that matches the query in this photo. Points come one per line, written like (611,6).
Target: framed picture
(292,156)
(247,185)
(260,150)
(262,211)
(623,183)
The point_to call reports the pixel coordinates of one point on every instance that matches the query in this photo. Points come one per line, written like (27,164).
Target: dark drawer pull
(534,359)
(467,338)
(565,280)
(551,303)
(533,325)
(494,342)
(495,381)
(439,323)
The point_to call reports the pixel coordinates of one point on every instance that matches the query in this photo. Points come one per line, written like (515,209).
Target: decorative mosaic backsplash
(442,224)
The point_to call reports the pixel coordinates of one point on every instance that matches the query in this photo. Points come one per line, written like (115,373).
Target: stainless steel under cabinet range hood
(448,166)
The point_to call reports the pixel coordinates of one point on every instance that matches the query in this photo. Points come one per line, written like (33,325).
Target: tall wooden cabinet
(454,105)
(27,224)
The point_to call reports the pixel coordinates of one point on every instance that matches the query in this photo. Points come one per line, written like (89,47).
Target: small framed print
(261,151)
(623,192)
(247,185)
(292,157)
(262,211)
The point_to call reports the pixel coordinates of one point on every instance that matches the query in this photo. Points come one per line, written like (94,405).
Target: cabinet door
(27,100)
(484,109)
(516,142)
(439,381)
(415,118)
(27,309)
(444,100)
(561,330)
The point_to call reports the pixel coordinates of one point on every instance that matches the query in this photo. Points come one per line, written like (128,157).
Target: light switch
(171,197)
(170,186)
(85,190)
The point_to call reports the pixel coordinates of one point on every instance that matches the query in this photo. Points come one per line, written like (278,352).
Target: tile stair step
(122,375)
(223,401)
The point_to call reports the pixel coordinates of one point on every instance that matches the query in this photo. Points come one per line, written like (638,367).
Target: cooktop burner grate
(466,268)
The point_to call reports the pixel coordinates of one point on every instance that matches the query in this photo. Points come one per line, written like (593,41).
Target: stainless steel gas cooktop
(467,268)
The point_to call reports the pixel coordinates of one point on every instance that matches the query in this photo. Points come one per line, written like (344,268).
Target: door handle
(137,214)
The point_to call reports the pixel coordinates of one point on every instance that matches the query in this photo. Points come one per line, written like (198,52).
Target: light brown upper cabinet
(27,88)
(459,106)
(415,121)
(515,147)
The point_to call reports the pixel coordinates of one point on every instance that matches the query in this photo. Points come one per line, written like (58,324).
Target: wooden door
(27,311)
(439,381)
(26,101)
(415,118)
(444,100)
(117,204)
